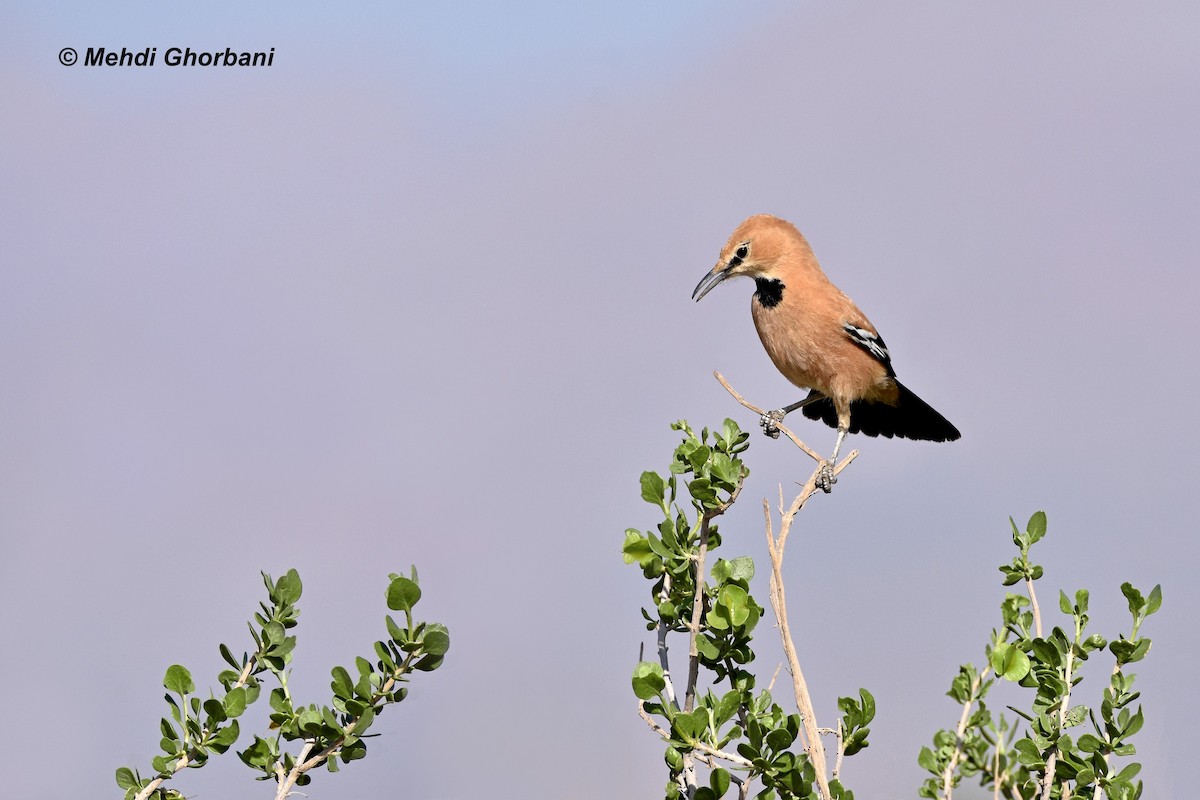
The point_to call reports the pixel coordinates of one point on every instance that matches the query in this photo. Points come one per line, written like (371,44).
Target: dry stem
(775,547)
(1037,612)
(694,625)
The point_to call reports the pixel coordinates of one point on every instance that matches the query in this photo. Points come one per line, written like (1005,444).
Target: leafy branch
(719,619)
(327,734)
(1036,757)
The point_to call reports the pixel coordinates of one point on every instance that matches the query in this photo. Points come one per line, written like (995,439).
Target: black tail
(910,418)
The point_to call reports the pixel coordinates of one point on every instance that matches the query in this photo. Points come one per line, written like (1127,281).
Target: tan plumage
(819,339)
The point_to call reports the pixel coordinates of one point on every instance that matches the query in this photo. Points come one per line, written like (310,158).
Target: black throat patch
(770,291)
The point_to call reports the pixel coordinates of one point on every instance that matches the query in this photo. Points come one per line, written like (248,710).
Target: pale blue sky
(420,293)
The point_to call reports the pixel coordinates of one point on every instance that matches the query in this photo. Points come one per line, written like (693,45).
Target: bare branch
(811,738)
(649,720)
(1037,612)
(841,750)
(747,404)
(694,624)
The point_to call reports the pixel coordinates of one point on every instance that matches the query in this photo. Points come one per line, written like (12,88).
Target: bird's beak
(710,280)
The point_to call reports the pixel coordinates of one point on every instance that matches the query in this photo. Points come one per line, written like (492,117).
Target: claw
(770,421)
(825,478)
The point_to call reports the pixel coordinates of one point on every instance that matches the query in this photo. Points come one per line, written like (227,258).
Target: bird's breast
(811,350)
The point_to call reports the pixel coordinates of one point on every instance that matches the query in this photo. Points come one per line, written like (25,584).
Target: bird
(820,341)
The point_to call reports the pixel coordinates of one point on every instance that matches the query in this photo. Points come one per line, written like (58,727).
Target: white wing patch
(871,342)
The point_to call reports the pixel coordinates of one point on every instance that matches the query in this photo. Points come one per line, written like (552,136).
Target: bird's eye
(743,251)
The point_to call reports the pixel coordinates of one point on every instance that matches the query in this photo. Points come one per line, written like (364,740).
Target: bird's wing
(868,339)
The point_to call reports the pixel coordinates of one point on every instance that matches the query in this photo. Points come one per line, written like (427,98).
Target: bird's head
(762,247)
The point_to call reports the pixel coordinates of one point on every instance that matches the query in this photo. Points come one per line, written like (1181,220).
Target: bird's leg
(826,478)
(771,419)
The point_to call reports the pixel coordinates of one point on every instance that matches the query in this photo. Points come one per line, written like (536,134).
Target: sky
(419,293)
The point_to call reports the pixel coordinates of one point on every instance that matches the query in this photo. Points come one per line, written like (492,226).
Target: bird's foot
(825,477)
(770,422)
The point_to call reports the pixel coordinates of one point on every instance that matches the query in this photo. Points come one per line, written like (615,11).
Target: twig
(811,739)
(707,749)
(650,720)
(663,658)
(959,733)
(694,624)
(721,754)
(302,766)
(1037,612)
(841,751)
(795,439)
(771,685)
(775,547)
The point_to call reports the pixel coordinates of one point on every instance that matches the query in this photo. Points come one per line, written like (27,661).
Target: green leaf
(288,588)
(215,709)
(1010,662)
(403,594)
(856,741)
(398,635)
(1081,600)
(364,721)
(429,663)
(719,781)
(1028,754)
(1037,526)
(279,702)
(689,727)
(1154,602)
(342,686)
(178,680)
(1134,597)
(228,656)
(437,639)
(741,569)
(235,702)
(636,548)
(648,680)
(779,739)
(1135,724)
(653,489)
(868,705)
(225,737)
(125,778)
(1064,602)
(1129,772)
(736,600)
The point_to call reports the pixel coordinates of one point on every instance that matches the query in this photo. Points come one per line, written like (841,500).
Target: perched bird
(820,341)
